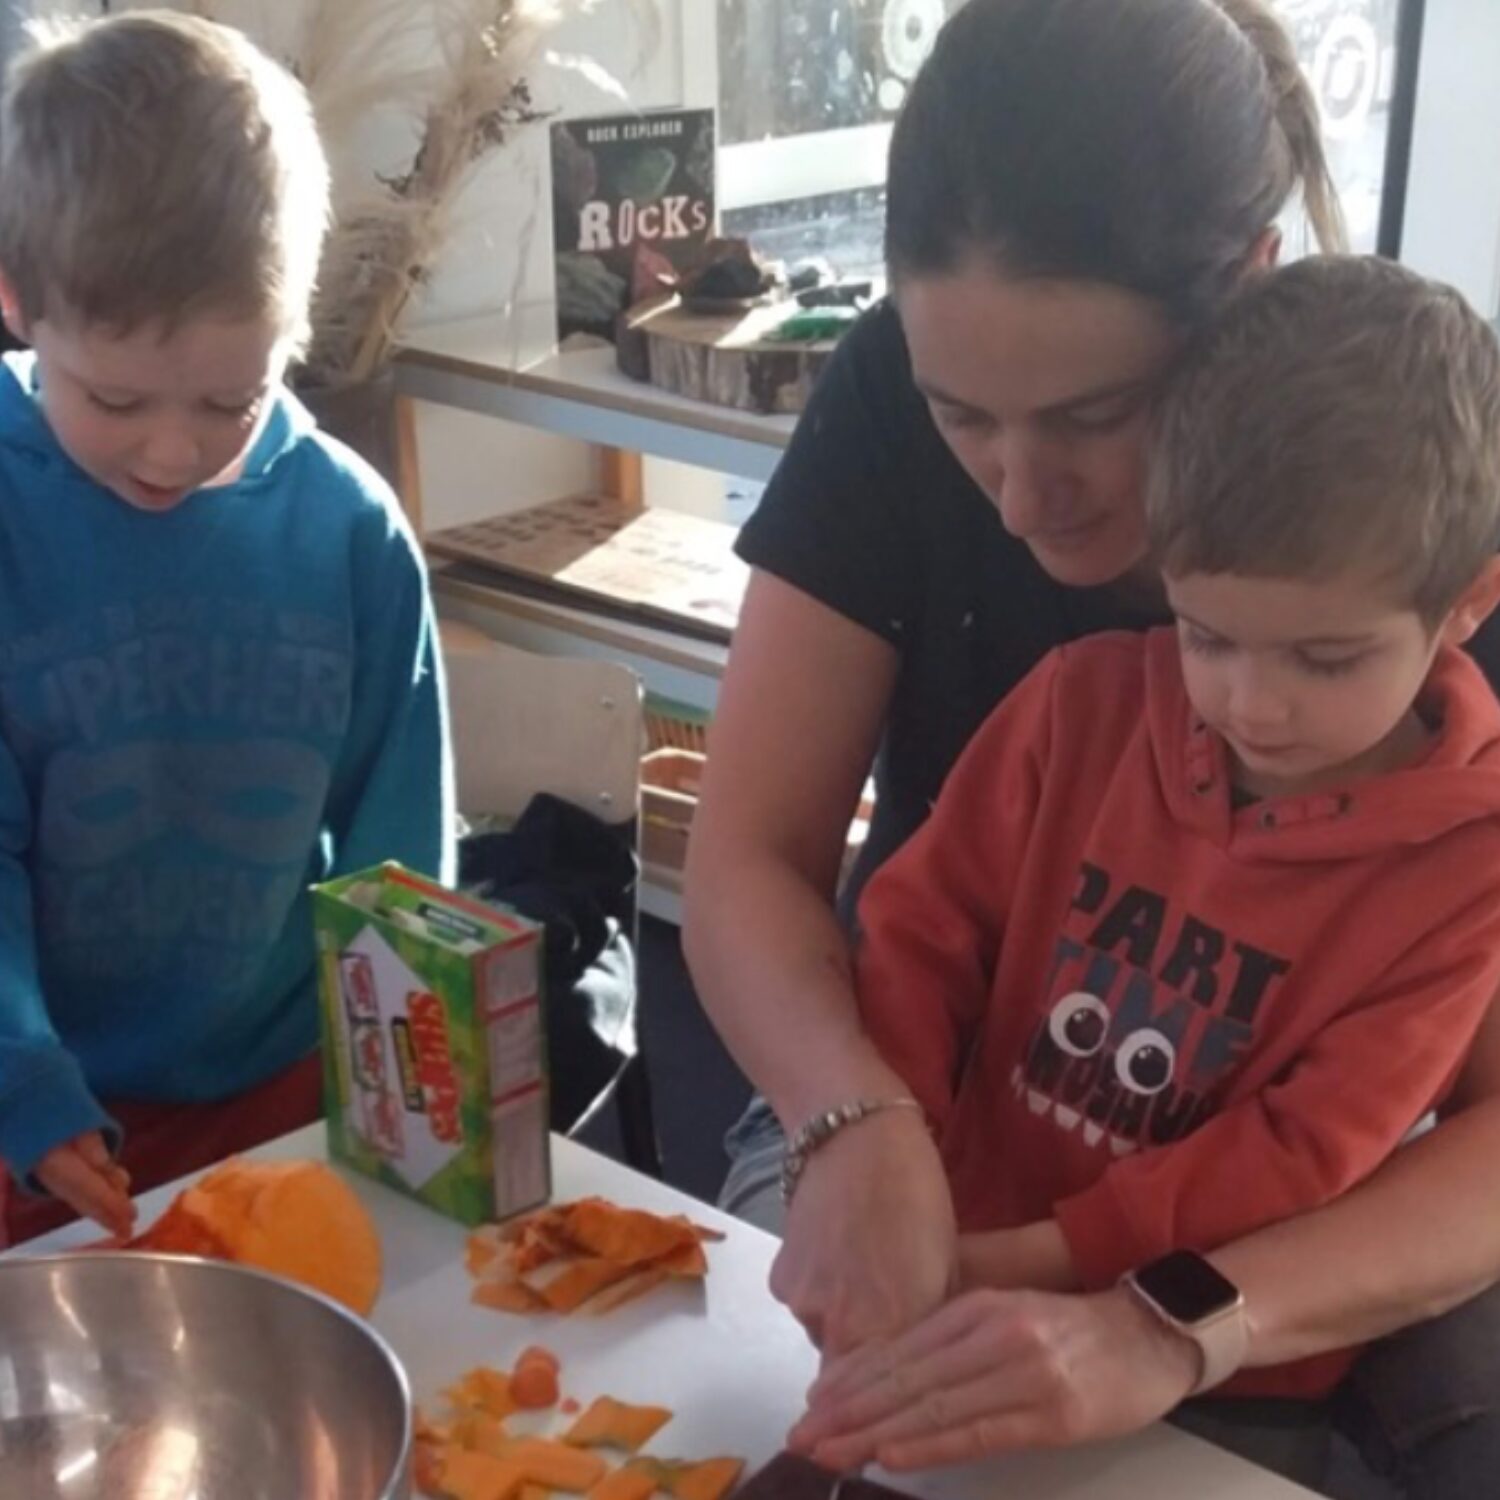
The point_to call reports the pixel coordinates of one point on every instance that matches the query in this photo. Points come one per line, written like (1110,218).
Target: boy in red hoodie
(1205,920)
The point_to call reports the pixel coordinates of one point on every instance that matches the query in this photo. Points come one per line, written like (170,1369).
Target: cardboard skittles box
(434,1052)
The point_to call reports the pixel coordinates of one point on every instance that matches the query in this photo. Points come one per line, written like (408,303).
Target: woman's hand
(994,1371)
(82,1174)
(870,1245)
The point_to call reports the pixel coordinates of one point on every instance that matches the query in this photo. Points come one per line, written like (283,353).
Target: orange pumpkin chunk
(468,1475)
(533,1382)
(546,1461)
(577,1281)
(629,1482)
(473,1457)
(612,1424)
(628,1235)
(297,1219)
(428,1458)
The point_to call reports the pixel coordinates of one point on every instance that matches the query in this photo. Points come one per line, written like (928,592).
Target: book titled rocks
(632,202)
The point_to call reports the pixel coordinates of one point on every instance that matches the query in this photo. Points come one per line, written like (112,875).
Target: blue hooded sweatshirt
(203,710)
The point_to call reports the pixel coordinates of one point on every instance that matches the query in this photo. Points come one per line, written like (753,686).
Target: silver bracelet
(822,1128)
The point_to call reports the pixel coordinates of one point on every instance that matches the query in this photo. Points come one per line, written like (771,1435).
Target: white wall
(1453,201)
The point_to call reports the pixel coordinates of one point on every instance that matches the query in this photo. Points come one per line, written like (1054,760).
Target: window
(808,90)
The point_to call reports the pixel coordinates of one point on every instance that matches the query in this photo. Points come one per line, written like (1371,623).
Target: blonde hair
(1146,145)
(155,167)
(1343,417)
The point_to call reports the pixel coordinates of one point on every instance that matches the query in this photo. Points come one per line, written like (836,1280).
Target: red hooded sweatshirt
(1159,1017)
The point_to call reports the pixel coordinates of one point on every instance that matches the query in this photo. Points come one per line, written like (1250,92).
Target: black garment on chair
(565,868)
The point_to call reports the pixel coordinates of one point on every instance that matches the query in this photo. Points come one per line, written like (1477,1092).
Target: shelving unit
(472,366)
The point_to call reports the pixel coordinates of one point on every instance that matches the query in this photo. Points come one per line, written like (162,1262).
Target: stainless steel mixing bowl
(146,1377)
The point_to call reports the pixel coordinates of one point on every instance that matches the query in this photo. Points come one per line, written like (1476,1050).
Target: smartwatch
(1187,1294)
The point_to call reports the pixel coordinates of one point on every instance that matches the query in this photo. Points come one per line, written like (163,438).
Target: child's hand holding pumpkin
(82,1174)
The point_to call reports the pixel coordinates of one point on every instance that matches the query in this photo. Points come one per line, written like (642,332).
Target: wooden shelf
(471,365)
(653,566)
(475,587)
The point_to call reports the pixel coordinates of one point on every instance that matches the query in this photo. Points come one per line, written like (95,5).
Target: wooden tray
(659,566)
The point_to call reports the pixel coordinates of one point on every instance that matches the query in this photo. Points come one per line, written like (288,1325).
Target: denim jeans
(1421,1408)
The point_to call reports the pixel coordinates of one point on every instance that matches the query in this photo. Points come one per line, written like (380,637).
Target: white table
(724,1356)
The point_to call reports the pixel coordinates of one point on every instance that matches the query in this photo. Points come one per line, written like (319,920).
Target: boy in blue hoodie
(218,674)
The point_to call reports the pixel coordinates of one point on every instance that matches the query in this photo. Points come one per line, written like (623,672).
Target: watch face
(1186,1287)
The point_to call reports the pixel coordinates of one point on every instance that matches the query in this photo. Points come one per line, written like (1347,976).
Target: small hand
(994,1371)
(82,1174)
(870,1243)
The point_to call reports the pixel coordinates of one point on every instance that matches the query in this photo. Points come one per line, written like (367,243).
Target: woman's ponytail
(1296,111)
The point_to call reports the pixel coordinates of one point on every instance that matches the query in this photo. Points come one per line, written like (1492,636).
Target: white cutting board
(730,1362)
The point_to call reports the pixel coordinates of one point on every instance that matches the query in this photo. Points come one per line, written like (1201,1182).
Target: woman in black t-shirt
(1074,186)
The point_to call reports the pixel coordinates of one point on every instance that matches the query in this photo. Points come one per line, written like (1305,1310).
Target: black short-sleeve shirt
(870,513)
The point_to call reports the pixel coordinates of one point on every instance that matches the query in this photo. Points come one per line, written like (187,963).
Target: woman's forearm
(799,717)
(1421,1236)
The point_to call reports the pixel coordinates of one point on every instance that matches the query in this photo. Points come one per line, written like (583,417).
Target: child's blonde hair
(1342,417)
(156,167)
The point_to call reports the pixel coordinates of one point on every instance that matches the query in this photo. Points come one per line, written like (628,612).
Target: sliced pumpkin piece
(427,1467)
(535,1492)
(628,1482)
(548,1462)
(484,1390)
(482,1433)
(538,1238)
(579,1280)
(562,1256)
(477,1476)
(533,1381)
(626,1235)
(613,1424)
(425,1430)
(483,1248)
